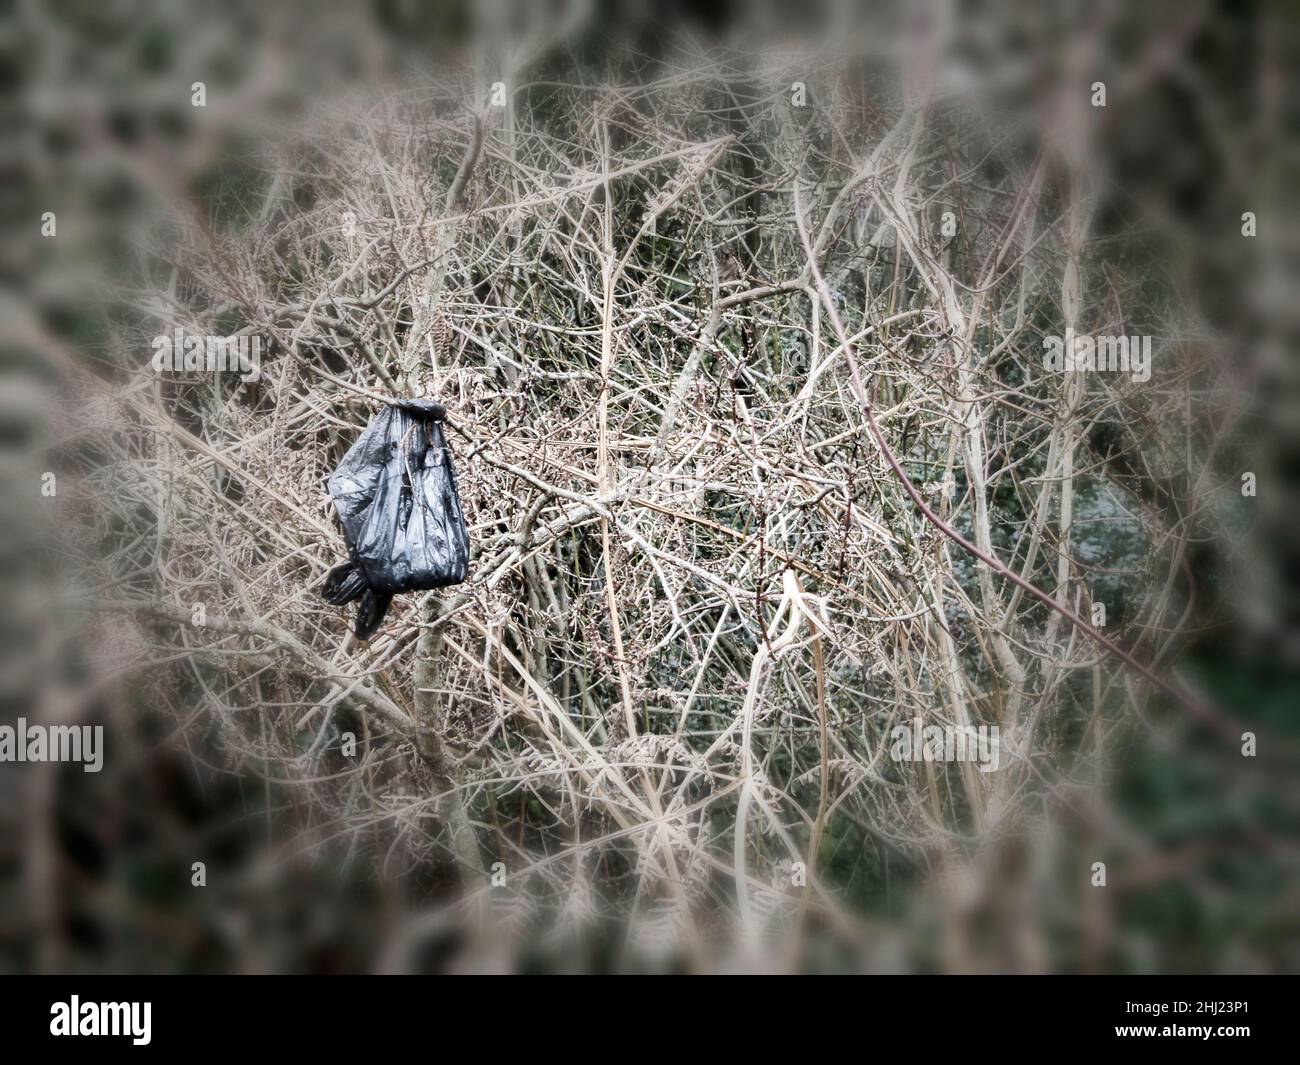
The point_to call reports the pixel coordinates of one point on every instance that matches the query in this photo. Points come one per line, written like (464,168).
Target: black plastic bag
(395,493)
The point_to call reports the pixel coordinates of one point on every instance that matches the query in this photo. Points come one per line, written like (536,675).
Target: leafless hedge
(702,596)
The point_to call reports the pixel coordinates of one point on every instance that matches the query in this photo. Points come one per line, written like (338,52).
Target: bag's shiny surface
(395,493)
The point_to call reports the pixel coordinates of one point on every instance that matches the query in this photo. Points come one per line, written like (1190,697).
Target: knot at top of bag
(427,408)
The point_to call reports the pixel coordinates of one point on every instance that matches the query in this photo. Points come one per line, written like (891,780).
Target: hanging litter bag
(395,493)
